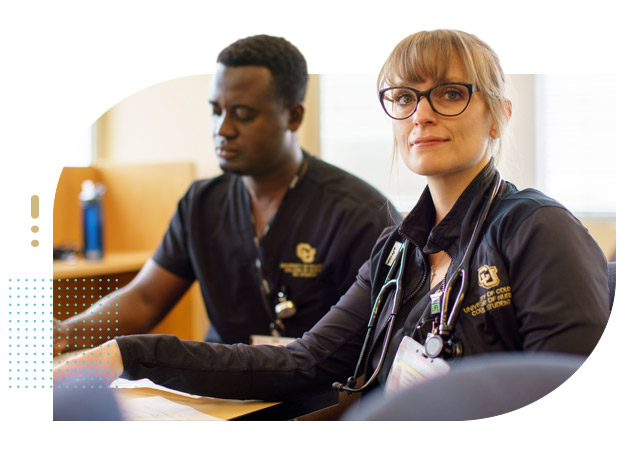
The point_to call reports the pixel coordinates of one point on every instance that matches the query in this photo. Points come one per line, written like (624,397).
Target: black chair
(85,405)
(612,281)
(478,387)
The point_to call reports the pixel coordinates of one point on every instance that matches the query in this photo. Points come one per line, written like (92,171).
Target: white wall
(170,121)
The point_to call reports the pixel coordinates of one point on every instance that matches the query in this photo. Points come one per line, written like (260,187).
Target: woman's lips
(429,141)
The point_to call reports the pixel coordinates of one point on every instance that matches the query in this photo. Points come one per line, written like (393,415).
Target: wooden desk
(151,402)
(214,407)
(323,405)
(314,406)
(112,263)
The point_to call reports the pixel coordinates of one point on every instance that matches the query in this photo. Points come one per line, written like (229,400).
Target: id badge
(259,339)
(411,366)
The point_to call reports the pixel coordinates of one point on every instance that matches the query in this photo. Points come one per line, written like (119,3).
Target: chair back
(612,281)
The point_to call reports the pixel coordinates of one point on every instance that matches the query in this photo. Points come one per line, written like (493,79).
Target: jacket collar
(454,231)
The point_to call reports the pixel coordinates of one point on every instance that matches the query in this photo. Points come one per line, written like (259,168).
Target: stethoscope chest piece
(436,347)
(433,345)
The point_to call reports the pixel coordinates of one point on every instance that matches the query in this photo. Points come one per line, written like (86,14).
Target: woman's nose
(424,113)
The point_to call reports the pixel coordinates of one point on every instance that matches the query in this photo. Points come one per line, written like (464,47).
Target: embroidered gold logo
(305,252)
(306,269)
(488,277)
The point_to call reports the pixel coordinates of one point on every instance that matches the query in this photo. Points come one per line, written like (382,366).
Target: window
(356,135)
(79,153)
(575,141)
(561,139)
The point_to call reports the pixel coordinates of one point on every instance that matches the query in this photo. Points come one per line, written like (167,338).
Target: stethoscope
(438,344)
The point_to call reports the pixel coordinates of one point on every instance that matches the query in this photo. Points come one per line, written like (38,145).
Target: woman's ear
(507,113)
(508,109)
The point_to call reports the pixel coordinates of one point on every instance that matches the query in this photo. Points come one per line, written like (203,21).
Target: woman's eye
(405,99)
(449,93)
(453,95)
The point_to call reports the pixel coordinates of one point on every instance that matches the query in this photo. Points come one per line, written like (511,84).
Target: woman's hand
(61,337)
(89,369)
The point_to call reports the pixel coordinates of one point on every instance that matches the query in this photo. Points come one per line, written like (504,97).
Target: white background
(64,63)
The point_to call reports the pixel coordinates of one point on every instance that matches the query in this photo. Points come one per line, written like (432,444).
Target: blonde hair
(428,55)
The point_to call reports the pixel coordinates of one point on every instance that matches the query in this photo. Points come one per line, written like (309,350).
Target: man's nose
(222,126)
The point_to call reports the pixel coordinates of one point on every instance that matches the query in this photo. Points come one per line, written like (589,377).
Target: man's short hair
(283,59)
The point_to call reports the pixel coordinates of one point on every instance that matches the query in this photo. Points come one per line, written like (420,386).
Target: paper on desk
(146,383)
(159,408)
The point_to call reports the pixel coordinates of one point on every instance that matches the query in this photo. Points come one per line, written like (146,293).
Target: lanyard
(276,326)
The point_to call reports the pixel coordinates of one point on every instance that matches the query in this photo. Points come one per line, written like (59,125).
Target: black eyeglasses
(447,99)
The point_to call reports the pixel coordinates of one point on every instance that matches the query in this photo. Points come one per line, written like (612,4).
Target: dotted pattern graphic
(32,344)
(74,295)
(30,333)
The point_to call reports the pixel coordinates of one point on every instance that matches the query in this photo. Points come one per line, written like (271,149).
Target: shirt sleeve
(559,283)
(359,235)
(325,354)
(172,253)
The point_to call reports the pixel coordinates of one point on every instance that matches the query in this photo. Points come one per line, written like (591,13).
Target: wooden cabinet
(137,207)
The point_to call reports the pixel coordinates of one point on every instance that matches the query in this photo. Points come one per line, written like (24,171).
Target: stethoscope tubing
(447,324)
(390,281)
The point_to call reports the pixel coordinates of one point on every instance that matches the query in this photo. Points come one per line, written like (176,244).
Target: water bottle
(91,197)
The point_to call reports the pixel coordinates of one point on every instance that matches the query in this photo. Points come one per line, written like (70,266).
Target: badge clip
(436,302)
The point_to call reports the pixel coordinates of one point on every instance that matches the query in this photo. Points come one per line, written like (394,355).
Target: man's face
(251,128)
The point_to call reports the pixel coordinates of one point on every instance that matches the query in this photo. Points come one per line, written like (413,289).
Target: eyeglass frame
(427,94)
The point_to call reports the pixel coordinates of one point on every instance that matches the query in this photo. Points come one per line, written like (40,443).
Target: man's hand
(89,369)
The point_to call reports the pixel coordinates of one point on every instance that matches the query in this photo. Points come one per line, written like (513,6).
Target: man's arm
(136,308)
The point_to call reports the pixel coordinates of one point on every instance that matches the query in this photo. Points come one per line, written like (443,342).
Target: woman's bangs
(415,62)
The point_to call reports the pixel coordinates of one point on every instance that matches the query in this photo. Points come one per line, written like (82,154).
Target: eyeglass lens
(445,99)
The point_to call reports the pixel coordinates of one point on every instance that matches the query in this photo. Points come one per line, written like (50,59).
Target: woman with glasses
(476,267)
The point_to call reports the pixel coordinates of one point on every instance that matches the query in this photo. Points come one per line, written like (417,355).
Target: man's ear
(296,115)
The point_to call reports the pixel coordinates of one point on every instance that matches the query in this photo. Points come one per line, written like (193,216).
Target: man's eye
(216,111)
(243,114)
